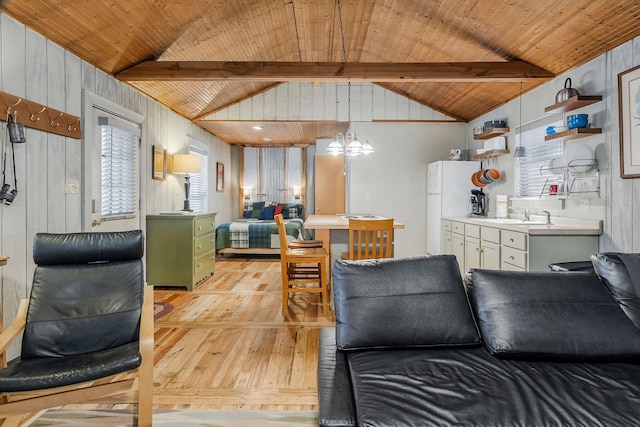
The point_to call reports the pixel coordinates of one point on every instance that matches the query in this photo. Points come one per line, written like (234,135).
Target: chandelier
(348,144)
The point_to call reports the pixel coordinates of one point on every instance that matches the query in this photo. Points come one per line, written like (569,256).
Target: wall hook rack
(21,108)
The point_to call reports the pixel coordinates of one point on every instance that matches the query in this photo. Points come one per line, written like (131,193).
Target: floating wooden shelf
(491,154)
(491,133)
(573,103)
(574,134)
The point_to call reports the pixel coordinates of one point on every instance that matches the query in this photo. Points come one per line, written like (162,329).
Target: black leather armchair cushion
(621,275)
(408,302)
(551,316)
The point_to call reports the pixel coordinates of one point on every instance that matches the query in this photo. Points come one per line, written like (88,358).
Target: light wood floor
(226,345)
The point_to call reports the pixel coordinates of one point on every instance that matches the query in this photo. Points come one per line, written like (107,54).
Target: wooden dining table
(332,230)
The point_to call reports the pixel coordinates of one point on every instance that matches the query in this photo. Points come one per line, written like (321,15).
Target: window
(531,174)
(198,189)
(118,178)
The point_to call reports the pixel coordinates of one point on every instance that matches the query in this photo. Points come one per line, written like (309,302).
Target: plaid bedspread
(251,233)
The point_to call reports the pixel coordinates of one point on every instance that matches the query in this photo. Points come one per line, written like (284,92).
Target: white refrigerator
(448,194)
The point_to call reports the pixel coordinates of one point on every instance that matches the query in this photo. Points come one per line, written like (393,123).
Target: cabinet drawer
(457,227)
(204,262)
(446,225)
(204,225)
(471,230)
(490,234)
(514,257)
(514,239)
(204,244)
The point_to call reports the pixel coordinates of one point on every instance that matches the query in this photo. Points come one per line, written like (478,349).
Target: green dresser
(180,249)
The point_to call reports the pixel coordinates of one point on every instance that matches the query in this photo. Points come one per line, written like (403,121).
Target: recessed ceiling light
(266,139)
(257,127)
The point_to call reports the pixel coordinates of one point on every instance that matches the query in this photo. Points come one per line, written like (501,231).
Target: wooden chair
(301,267)
(370,239)
(88,327)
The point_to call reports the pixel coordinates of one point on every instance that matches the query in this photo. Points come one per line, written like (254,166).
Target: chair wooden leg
(285,289)
(323,287)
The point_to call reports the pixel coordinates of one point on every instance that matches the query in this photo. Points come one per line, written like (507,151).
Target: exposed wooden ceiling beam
(509,71)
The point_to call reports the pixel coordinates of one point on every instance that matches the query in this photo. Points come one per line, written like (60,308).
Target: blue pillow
(267,212)
(247,214)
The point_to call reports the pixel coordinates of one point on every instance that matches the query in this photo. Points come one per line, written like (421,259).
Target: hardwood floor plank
(225,345)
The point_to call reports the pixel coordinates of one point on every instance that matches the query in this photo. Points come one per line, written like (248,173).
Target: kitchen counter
(560,226)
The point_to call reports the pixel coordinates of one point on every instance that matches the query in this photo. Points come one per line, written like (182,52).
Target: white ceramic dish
(578,157)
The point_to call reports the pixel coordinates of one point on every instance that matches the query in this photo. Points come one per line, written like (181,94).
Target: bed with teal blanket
(255,236)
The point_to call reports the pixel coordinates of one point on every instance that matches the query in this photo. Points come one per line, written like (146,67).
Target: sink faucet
(524,212)
(548,216)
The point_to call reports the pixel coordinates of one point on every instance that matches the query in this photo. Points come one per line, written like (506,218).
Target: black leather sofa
(414,346)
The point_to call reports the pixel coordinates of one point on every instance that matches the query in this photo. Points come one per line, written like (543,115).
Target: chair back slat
(370,238)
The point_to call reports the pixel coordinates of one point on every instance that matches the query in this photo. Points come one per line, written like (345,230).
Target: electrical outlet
(71,186)
(584,205)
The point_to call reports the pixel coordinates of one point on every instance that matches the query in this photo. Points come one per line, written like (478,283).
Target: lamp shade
(185,163)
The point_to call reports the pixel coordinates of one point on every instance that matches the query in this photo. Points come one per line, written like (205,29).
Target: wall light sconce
(246,192)
(296,193)
(185,164)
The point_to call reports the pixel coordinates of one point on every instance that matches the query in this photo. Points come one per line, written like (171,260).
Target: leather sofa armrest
(335,398)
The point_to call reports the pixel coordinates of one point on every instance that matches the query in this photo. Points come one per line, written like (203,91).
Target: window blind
(119,189)
(198,189)
(531,174)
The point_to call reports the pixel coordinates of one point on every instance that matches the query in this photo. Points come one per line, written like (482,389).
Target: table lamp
(185,164)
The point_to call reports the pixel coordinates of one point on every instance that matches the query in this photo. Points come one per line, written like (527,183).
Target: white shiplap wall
(328,101)
(34,68)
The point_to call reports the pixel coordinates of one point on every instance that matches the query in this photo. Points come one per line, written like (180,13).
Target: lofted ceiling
(462,58)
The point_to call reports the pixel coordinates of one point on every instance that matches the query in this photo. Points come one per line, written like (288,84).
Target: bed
(257,233)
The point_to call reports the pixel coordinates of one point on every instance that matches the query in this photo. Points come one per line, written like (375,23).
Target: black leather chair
(89,318)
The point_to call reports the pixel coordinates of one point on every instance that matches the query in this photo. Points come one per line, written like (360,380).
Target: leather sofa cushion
(469,387)
(621,275)
(401,302)
(551,316)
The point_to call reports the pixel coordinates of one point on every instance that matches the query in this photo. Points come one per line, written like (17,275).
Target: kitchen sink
(513,221)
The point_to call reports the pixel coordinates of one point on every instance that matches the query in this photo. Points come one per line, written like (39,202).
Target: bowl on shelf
(577,121)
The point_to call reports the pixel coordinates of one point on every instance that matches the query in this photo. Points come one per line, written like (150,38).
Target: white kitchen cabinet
(490,248)
(446,237)
(496,248)
(457,243)
(471,247)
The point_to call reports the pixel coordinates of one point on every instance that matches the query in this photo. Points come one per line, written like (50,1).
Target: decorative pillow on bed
(551,316)
(278,209)
(285,210)
(267,212)
(257,209)
(620,273)
(247,214)
(402,303)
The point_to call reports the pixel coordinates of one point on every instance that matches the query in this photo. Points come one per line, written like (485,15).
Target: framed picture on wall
(629,110)
(159,161)
(219,176)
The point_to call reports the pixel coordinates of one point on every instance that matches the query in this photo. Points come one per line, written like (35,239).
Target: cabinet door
(471,253)
(490,255)
(457,249)
(446,242)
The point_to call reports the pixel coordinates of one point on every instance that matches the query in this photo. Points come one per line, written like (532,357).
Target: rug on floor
(175,418)
(161,309)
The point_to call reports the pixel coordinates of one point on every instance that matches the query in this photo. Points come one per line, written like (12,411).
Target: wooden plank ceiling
(383,39)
